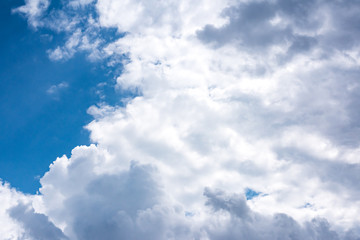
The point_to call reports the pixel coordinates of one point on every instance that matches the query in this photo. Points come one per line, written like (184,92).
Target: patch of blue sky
(250,193)
(189,214)
(308,205)
(37,124)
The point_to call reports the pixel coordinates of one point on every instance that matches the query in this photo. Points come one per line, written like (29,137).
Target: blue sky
(177,119)
(36,126)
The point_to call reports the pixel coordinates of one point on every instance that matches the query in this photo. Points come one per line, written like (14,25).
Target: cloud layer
(230,96)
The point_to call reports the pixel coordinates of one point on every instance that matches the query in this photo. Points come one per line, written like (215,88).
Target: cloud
(33,10)
(258,25)
(228,96)
(55,90)
(37,226)
(108,203)
(239,222)
(296,27)
(10,198)
(80,3)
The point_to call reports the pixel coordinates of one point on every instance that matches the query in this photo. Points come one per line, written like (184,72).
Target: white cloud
(233,95)
(55,89)
(33,10)
(80,3)
(11,199)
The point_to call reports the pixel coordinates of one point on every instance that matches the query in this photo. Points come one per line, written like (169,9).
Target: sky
(43,103)
(175,119)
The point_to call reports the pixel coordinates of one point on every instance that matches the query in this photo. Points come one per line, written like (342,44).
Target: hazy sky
(179,119)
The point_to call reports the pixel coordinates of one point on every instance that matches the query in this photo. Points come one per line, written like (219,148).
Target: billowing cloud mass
(230,97)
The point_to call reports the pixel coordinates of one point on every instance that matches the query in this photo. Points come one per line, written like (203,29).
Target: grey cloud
(102,215)
(328,102)
(133,190)
(37,226)
(301,13)
(338,177)
(280,226)
(300,44)
(345,22)
(234,204)
(111,203)
(248,26)
(251,29)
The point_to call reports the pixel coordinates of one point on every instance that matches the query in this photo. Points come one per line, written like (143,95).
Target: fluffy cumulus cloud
(230,97)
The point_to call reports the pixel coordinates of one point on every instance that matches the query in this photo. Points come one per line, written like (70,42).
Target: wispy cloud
(33,10)
(55,89)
